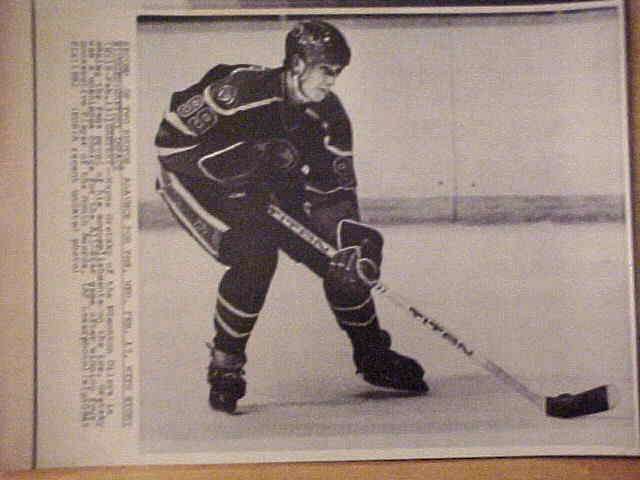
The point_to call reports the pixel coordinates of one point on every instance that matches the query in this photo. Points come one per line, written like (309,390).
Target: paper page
(490,148)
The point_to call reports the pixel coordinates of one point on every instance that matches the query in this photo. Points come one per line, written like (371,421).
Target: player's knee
(246,283)
(262,267)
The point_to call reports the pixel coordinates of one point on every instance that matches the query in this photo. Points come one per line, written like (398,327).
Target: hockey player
(245,136)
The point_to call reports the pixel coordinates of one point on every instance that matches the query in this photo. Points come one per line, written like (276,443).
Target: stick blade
(596,400)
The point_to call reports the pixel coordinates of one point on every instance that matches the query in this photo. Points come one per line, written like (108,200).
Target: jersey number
(197,114)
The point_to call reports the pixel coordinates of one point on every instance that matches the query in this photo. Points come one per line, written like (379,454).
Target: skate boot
(383,367)
(226,378)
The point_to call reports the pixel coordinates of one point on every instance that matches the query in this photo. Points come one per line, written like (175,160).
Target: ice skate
(226,378)
(383,367)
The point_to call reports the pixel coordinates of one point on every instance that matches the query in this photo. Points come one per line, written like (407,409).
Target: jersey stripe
(236,311)
(358,324)
(185,222)
(351,309)
(326,192)
(212,155)
(312,113)
(216,108)
(194,204)
(227,328)
(166,151)
(335,150)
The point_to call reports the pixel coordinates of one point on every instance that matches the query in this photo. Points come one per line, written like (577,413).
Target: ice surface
(548,302)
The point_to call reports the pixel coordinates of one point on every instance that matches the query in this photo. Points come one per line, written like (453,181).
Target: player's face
(317,80)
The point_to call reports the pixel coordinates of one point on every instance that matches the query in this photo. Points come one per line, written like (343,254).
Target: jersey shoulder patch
(244,88)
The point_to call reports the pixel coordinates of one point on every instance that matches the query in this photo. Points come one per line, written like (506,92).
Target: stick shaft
(380,289)
(455,341)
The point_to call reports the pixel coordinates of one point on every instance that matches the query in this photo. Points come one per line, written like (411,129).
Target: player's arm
(355,268)
(332,196)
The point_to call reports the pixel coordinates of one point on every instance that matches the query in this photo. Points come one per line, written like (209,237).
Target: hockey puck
(592,401)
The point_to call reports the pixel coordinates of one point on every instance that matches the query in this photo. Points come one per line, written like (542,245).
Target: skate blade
(223,404)
(417,389)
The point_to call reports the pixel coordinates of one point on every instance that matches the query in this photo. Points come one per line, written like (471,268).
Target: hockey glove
(355,268)
(345,276)
(370,241)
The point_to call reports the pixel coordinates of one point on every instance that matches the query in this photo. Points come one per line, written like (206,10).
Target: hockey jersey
(210,126)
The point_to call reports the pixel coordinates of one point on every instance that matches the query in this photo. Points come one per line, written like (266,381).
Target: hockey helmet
(317,42)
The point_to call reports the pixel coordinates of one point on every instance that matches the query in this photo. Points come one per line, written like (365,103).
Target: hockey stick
(566,405)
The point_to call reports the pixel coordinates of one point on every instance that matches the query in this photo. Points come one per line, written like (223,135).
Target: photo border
(18,311)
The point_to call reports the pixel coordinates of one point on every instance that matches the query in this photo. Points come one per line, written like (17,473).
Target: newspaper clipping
(217,189)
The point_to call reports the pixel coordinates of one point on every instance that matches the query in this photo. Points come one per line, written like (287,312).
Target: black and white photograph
(320,238)
(384,234)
